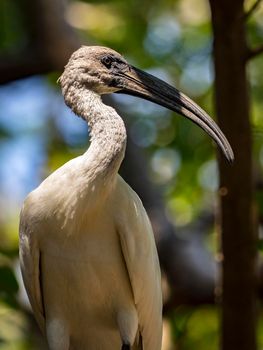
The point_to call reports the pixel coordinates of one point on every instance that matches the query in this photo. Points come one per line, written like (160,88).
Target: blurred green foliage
(172,39)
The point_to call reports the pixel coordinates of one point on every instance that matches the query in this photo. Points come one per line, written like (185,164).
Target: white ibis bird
(87,251)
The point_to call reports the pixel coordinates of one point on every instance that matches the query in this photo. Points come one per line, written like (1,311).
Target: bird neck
(107,131)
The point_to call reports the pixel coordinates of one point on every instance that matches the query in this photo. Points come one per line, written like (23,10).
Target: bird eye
(106,61)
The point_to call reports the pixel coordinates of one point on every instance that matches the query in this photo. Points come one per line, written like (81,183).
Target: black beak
(138,83)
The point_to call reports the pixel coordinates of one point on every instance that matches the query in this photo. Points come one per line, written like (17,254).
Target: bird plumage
(87,251)
(97,287)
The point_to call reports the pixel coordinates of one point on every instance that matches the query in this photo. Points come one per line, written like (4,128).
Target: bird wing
(140,254)
(29,254)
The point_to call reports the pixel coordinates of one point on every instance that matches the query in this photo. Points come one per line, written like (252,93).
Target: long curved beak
(144,85)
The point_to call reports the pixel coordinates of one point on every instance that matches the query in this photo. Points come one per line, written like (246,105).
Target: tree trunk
(238,238)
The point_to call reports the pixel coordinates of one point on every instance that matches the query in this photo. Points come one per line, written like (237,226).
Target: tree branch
(51,40)
(252,10)
(252,53)
(22,65)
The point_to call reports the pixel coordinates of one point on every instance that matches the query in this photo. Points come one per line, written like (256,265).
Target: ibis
(87,252)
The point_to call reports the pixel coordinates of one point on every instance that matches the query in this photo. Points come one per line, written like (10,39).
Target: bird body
(86,285)
(87,251)
(86,232)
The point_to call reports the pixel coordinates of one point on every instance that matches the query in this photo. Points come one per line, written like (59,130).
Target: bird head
(105,71)
(94,68)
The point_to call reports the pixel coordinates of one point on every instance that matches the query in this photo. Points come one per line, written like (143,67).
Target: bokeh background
(170,162)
